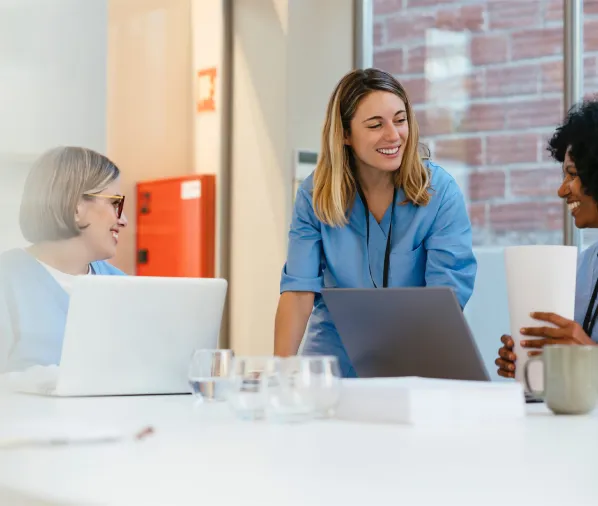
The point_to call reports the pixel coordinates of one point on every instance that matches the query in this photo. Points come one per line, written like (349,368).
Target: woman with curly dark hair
(575,145)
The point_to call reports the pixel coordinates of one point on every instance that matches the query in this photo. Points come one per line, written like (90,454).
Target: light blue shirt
(430,246)
(587,274)
(33,309)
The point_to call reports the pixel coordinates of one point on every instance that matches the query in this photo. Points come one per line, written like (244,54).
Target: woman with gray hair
(71,213)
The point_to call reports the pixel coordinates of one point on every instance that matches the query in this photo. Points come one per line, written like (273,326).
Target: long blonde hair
(334,178)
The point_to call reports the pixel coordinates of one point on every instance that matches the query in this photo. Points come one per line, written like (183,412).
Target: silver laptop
(128,335)
(419,331)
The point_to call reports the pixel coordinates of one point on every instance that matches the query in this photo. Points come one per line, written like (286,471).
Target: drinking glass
(302,388)
(208,374)
(288,390)
(326,384)
(247,397)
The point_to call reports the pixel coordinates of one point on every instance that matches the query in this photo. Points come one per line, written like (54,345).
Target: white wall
(208,41)
(288,55)
(209,137)
(150,98)
(53,89)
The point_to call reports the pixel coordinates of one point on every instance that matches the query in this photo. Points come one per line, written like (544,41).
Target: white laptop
(128,335)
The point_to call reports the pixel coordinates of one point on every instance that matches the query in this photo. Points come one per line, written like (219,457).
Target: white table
(202,455)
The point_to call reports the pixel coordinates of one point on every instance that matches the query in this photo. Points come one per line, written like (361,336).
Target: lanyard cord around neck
(590,320)
(386,270)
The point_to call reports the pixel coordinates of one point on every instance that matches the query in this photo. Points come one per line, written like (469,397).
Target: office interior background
(238,89)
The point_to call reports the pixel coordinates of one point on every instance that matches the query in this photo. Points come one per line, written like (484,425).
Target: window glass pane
(590,70)
(486,78)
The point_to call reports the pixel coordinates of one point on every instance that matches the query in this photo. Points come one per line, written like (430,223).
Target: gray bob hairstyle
(56,183)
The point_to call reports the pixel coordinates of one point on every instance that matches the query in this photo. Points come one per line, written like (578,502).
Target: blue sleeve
(302,271)
(451,261)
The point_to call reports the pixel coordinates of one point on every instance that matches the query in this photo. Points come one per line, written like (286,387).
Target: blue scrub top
(587,274)
(430,246)
(33,311)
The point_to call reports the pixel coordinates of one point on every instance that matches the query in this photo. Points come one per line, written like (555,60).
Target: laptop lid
(415,331)
(129,335)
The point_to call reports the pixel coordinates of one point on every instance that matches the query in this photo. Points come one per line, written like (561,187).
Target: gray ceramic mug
(570,378)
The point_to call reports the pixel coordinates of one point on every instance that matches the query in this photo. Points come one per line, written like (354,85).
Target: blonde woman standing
(375,213)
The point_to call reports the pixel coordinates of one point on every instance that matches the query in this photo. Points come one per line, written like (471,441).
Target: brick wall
(486,80)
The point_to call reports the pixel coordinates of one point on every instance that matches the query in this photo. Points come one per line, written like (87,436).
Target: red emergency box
(176,227)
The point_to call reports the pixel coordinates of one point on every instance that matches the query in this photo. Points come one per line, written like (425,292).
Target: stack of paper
(423,401)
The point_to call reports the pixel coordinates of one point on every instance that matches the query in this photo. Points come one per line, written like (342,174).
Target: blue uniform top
(587,275)
(430,246)
(33,309)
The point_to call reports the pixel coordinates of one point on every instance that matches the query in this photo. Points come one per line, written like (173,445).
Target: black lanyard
(590,320)
(388,237)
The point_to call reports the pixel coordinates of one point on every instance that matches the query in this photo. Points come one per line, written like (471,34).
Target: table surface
(200,454)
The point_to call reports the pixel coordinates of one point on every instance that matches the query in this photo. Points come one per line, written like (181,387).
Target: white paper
(191,189)
(539,278)
(427,402)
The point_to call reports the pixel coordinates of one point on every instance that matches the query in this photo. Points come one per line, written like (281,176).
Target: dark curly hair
(579,132)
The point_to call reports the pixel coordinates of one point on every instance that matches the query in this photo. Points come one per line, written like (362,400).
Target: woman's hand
(566,332)
(506,358)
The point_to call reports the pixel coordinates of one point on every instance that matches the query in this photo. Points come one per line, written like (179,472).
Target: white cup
(539,278)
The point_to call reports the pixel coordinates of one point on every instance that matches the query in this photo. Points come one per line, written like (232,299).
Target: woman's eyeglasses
(118,201)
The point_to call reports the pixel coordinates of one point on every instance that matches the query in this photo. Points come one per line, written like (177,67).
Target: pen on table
(65,441)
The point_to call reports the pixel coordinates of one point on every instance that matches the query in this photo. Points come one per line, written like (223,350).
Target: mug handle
(537,393)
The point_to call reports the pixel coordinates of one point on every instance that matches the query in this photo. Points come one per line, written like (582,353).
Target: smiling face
(379,131)
(98,217)
(582,207)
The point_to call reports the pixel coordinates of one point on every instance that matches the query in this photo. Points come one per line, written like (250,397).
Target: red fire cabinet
(176,227)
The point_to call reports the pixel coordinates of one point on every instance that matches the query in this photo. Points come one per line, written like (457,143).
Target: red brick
(477,214)
(416,89)
(486,185)
(535,182)
(590,7)
(468,17)
(390,60)
(544,153)
(473,85)
(467,150)
(537,43)
(483,117)
(529,216)
(546,112)
(378,35)
(553,11)
(553,76)
(435,121)
(590,67)
(408,28)
(512,80)
(514,14)
(491,48)
(382,7)
(429,3)
(590,35)
(511,148)
(416,59)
